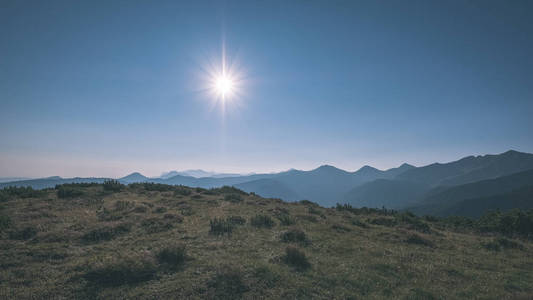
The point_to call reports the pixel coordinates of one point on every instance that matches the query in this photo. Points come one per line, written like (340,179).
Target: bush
(24,234)
(365,210)
(227,190)
(123,205)
(296,258)
(498,244)
(155,225)
(262,221)
(130,271)
(182,191)
(220,227)
(160,210)
(359,223)
(21,192)
(384,221)
(236,220)
(339,228)
(105,233)
(113,186)
(5,222)
(418,240)
(294,236)
(234,198)
(172,256)
(69,192)
(413,221)
(227,284)
(286,220)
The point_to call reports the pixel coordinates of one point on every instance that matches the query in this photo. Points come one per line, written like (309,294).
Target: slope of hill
(146,241)
(440,200)
(521,198)
(470,169)
(392,194)
(269,188)
(134,177)
(49,182)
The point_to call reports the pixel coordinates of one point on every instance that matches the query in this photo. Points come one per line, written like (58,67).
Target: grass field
(154,241)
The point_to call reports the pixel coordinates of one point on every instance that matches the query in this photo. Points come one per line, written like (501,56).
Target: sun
(224,85)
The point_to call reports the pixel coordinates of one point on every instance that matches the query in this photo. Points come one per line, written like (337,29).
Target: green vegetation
(262,221)
(153,241)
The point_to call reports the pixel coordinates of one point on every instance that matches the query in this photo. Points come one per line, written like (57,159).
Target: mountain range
(473,183)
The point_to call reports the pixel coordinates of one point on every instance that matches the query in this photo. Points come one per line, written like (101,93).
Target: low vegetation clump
(384,221)
(235,198)
(236,220)
(124,272)
(228,283)
(105,233)
(220,226)
(294,236)
(340,228)
(296,258)
(156,225)
(25,233)
(413,222)
(113,186)
(359,223)
(502,243)
(69,191)
(418,240)
(172,256)
(286,220)
(5,222)
(262,221)
(182,191)
(20,192)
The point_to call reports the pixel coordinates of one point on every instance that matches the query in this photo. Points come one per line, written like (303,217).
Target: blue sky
(105,88)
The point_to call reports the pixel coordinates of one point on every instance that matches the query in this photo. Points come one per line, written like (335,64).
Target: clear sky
(105,88)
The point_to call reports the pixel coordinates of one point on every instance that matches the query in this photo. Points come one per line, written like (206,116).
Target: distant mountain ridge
(403,187)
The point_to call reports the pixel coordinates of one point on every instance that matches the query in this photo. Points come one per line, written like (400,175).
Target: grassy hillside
(147,241)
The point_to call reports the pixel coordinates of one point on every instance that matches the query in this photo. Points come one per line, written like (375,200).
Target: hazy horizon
(105,88)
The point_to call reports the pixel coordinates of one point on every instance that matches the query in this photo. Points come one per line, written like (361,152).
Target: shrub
(69,192)
(365,210)
(418,240)
(384,221)
(172,256)
(24,234)
(220,227)
(182,191)
(155,225)
(308,218)
(130,271)
(160,210)
(286,220)
(296,258)
(21,192)
(227,190)
(140,209)
(113,186)
(340,228)
(105,233)
(359,223)
(294,236)
(227,284)
(236,220)
(234,198)
(173,217)
(498,244)
(413,221)
(5,222)
(262,221)
(157,187)
(123,205)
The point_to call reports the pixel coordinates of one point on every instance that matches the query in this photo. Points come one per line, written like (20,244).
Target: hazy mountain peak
(133,177)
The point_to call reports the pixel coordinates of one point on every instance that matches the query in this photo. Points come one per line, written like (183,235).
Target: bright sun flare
(224,85)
